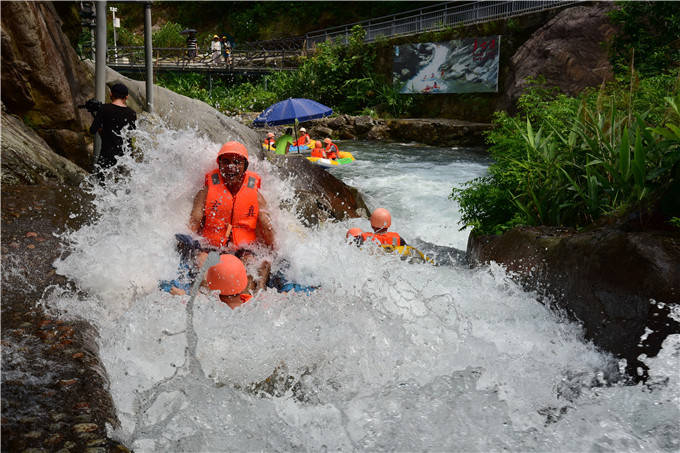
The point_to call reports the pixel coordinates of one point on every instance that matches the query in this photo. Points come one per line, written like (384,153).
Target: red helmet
(228,276)
(233,148)
(381,219)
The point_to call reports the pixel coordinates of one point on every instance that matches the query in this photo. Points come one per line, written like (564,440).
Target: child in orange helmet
(380,222)
(230,279)
(331,149)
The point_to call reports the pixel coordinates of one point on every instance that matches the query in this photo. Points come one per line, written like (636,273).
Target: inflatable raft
(344,158)
(408,253)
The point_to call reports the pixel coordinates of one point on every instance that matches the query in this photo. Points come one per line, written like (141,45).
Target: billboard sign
(468,65)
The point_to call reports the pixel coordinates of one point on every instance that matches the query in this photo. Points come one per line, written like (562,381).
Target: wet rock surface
(27,159)
(44,81)
(54,388)
(619,284)
(320,196)
(429,131)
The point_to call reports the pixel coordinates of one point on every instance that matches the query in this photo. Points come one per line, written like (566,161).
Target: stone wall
(436,131)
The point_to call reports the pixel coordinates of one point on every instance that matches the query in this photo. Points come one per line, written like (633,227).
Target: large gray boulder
(320,195)
(568,51)
(619,284)
(28,159)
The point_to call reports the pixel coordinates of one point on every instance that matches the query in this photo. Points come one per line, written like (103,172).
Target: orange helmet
(233,148)
(327,140)
(318,144)
(270,134)
(353,232)
(228,276)
(381,218)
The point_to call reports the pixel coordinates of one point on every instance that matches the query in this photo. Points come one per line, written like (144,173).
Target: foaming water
(414,183)
(386,355)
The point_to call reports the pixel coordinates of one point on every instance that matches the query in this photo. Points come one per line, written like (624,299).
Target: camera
(92,106)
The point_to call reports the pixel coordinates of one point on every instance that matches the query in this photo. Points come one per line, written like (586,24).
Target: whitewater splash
(386,355)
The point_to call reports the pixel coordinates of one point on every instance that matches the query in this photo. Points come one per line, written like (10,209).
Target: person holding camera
(109,121)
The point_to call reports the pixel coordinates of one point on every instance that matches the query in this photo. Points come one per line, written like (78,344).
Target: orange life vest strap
(387,238)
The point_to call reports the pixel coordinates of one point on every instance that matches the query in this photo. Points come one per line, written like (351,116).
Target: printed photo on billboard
(468,65)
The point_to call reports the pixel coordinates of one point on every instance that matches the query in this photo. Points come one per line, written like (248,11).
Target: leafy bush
(229,99)
(168,36)
(568,161)
(651,31)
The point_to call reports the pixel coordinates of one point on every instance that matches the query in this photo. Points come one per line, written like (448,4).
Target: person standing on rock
(110,120)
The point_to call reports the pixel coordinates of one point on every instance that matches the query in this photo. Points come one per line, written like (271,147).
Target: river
(384,356)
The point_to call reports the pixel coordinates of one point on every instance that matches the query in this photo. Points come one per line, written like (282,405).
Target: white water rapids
(385,356)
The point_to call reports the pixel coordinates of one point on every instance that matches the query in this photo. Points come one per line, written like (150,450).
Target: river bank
(55,388)
(428,131)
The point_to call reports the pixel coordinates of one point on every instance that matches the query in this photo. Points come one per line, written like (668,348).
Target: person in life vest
(230,279)
(380,222)
(270,141)
(304,138)
(331,149)
(354,235)
(229,211)
(318,150)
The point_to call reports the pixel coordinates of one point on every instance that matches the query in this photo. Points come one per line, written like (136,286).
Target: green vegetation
(567,161)
(342,77)
(253,21)
(649,33)
(230,99)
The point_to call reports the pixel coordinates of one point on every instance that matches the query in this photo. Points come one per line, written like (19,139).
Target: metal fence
(434,18)
(272,55)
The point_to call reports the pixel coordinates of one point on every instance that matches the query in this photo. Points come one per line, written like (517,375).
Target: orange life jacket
(301,141)
(317,152)
(270,143)
(387,238)
(222,208)
(332,151)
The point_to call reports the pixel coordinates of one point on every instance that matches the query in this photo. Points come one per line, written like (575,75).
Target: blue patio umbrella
(286,112)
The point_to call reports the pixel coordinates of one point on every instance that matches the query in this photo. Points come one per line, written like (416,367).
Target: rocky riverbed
(54,388)
(429,131)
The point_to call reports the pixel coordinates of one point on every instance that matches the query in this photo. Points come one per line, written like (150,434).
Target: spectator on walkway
(225,46)
(192,46)
(216,50)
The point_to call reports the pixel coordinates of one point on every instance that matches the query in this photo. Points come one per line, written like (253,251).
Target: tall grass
(566,161)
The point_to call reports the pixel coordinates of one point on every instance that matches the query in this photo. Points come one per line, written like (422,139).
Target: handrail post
(148,54)
(100,66)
